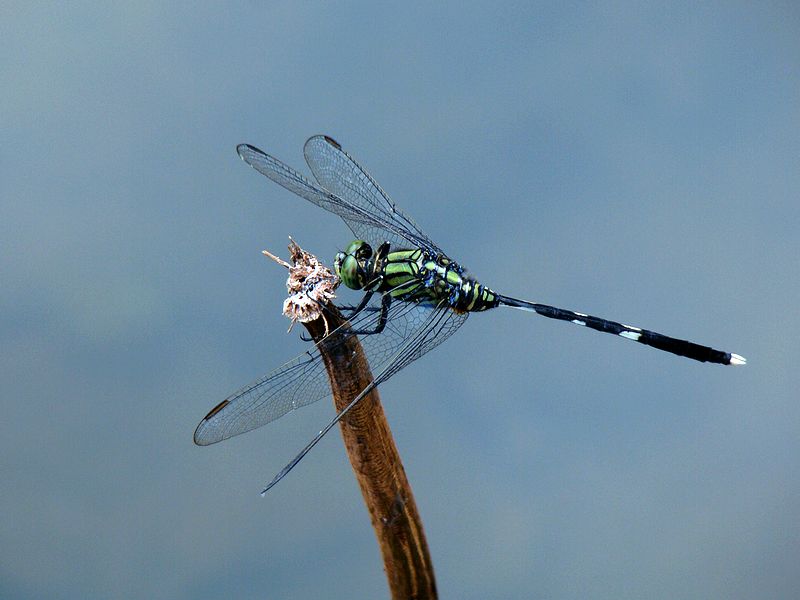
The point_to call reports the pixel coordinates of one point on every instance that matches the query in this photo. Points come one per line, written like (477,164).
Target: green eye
(351,273)
(350,265)
(360,249)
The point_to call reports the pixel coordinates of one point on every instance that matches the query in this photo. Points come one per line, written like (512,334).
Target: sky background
(637,162)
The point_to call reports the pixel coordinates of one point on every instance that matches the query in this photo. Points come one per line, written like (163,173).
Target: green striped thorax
(413,275)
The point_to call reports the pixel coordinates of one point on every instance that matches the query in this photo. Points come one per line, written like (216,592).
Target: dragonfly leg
(361,305)
(353,311)
(386,302)
(349,308)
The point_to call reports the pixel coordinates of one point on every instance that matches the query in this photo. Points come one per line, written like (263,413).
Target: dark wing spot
(332,142)
(216,409)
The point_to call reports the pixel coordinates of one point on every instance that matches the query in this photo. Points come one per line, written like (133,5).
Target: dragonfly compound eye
(360,249)
(352,273)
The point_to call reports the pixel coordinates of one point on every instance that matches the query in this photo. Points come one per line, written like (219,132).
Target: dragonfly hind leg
(361,306)
(386,302)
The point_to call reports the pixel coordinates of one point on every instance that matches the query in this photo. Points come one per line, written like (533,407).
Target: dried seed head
(310,285)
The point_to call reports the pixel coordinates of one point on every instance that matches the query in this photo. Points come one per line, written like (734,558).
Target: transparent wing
(438,324)
(303,380)
(368,221)
(337,172)
(293,181)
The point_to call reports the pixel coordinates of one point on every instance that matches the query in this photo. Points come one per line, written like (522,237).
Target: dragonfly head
(352,265)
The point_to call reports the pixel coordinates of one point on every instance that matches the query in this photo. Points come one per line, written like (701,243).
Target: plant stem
(376,463)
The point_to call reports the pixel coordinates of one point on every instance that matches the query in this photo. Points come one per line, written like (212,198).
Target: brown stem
(376,464)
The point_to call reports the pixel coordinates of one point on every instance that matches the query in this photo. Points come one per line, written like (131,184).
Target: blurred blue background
(635,161)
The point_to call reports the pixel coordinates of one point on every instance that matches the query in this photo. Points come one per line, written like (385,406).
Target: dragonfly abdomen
(416,275)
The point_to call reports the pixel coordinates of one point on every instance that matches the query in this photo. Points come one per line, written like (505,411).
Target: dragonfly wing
(356,217)
(340,174)
(303,380)
(439,325)
(434,325)
(412,330)
(299,382)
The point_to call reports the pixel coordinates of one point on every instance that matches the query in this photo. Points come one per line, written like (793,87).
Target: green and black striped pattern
(420,276)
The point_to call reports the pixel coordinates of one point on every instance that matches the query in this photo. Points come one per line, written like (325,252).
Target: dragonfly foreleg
(326,309)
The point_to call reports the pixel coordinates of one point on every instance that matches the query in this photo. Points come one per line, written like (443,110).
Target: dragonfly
(414,298)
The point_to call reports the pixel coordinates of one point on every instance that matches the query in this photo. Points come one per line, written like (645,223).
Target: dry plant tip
(310,284)
(277,259)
